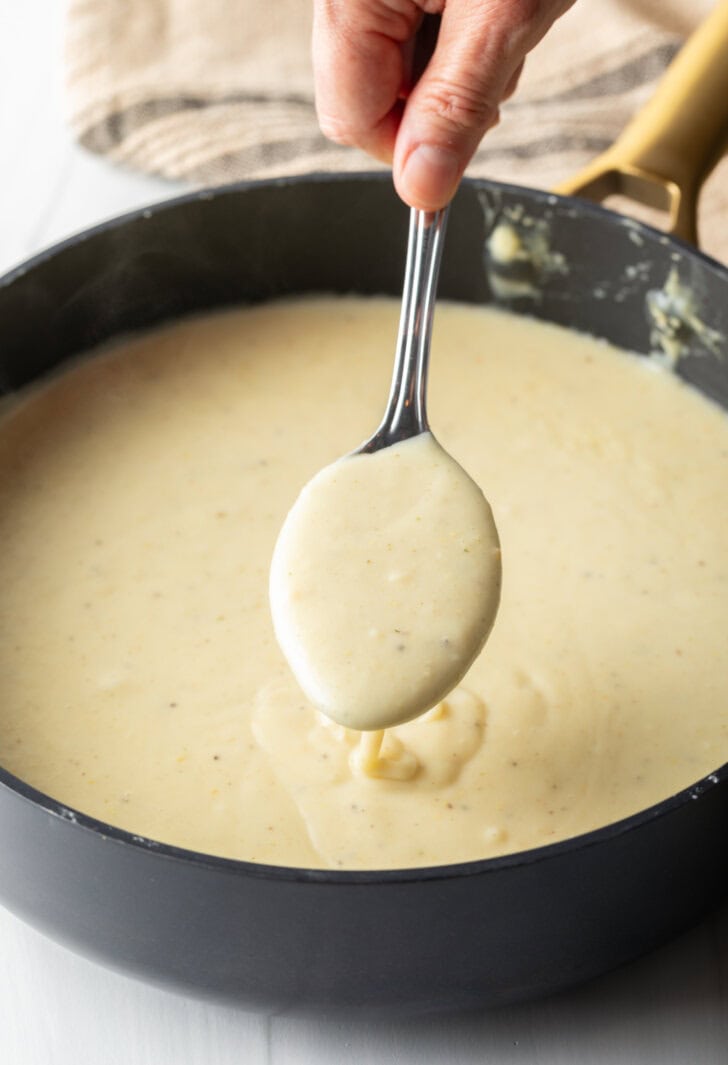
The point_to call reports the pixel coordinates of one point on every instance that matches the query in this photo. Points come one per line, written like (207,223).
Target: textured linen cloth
(216,90)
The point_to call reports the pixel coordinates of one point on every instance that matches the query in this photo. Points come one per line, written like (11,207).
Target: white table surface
(55,1008)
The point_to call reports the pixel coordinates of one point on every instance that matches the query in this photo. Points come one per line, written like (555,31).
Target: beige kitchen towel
(215,90)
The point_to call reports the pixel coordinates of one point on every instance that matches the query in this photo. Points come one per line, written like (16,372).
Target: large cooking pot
(454,936)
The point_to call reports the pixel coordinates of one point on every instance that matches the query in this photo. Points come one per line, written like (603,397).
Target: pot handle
(668,149)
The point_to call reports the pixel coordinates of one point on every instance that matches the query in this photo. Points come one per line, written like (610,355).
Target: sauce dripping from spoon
(385,579)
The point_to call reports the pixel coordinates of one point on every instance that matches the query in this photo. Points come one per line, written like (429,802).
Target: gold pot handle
(668,149)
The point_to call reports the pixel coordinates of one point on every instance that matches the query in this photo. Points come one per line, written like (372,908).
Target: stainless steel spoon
(398,509)
(406,412)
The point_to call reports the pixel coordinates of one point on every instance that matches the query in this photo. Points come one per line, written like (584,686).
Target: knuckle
(395,19)
(337,130)
(460,106)
(528,20)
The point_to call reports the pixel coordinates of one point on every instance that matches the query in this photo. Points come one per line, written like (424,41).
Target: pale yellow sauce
(385,583)
(140,498)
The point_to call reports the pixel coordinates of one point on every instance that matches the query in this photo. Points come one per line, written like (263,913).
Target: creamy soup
(141,494)
(385,583)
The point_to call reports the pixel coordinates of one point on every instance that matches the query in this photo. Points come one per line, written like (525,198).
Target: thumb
(480,48)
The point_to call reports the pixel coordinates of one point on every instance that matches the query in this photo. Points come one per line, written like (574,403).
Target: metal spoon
(391,549)
(406,413)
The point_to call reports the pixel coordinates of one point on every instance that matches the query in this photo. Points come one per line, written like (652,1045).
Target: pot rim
(452,871)
(322,177)
(457,870)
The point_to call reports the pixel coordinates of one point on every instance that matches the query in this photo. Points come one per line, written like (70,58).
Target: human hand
(363,61)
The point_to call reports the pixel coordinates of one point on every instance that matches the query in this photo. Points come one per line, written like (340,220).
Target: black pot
(478,933)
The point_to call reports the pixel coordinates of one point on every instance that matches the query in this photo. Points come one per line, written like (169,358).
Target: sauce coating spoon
(385,579)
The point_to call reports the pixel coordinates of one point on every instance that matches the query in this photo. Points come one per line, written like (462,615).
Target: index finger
(360,70)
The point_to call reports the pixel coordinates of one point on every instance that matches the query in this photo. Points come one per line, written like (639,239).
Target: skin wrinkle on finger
(397,20)
(350,41)
(375,136)
(356,38)
(453,105)
(351,108)
(471,69)
(364,97)
(457,109)
(474,66)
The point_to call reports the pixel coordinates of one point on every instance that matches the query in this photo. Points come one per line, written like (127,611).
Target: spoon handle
(406,413)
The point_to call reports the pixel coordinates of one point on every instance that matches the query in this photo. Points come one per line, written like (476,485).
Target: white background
(56,1008)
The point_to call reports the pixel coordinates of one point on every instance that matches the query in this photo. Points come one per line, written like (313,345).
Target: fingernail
(430,176)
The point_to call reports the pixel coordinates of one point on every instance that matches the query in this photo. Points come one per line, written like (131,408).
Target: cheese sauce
(141,494)
(385,583)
